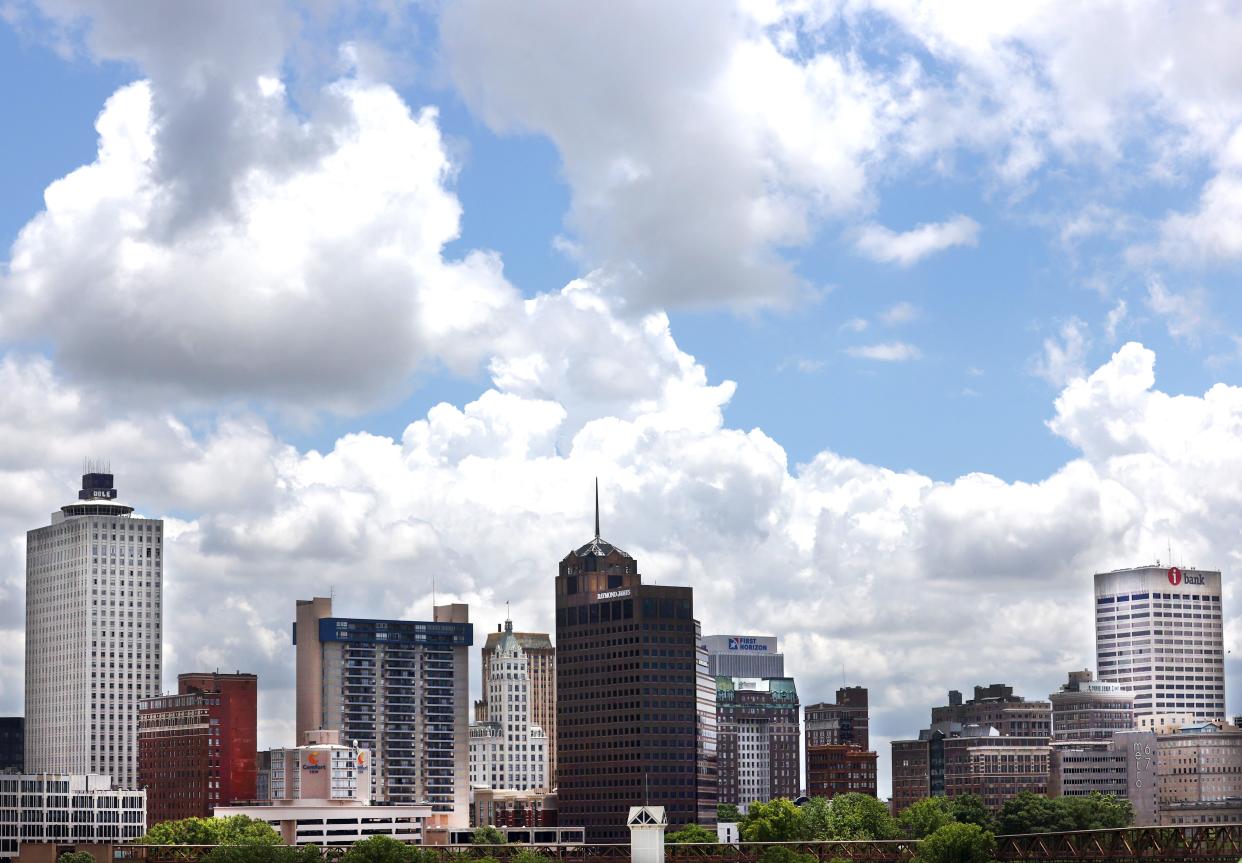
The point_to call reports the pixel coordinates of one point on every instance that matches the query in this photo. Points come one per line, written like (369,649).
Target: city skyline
(762,645)
(885,326)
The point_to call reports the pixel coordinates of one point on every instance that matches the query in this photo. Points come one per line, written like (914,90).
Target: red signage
(1175,576)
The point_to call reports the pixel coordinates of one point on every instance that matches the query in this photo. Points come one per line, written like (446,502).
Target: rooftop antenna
(1170,545)
(645,800)
(597,507)
(433,596)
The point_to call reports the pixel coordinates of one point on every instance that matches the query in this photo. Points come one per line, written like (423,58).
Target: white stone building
(93,634)
(509,750)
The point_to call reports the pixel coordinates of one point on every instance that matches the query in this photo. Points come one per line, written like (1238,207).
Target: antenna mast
(597,507)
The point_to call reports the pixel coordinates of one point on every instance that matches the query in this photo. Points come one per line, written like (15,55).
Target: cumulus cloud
(321,285)
(1183,313)
(696,142)
(891,352)
(225,243)
(909,247)
(1064,356)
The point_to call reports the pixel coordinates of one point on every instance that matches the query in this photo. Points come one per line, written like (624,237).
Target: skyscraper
(1158,633)
(508,750)
(541,679)
(754,656)
(636,715)
(758,733)
(399,688)
(93,633)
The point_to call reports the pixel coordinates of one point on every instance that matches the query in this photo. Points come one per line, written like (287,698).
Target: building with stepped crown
(636,707)
(509,750)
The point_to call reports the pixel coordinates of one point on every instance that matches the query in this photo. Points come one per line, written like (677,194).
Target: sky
(884,324)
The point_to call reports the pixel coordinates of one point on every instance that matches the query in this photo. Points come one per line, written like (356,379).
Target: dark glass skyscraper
(635,707)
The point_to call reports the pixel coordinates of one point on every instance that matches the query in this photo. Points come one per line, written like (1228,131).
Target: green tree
(957,843)
(814,815)
(528,856)
(860,816)
(691,833)
(488,836)
(1034,813)
(1097,811)
(234,830)
(925,816)
(728,813)
(775,821)
(970,809)
(377,849)
(75,857)
(783,854)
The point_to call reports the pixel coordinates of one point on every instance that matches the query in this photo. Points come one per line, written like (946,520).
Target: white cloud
(1064,356)
(885,352)
(1183,313)
(320,285)
(696,147)
(854,325)
(902,313)
(1116,317)
(909,247)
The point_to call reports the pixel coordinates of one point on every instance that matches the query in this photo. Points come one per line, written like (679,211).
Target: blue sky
(938,251)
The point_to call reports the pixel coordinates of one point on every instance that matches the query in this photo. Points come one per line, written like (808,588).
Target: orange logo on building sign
(362,759)
(312,758)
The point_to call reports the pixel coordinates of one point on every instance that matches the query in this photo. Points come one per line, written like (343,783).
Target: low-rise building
(1123,766)
(320,794)
(66,809)
(1200,772)
(949,759)
(1087,709)
(833,770)
(996,705)
(505,807)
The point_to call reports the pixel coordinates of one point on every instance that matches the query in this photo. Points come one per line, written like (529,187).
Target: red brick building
(197,749)
(833,770)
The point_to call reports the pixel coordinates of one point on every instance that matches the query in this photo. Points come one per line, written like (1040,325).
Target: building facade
(635,706)
(843,722)
(1087,709)
(509,750)
(320,794)
(949,759)
(1122,766)
(12,743)
(840,769)
(541,675)
(94,581)
(1158,633)
(1199,772)
(996,705)
(750,656)
(197,749)
(45,808)
(399,688)
(757,730)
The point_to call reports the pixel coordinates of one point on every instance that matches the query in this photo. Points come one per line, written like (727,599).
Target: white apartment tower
(509,750)
(93,633)
(1158,633)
